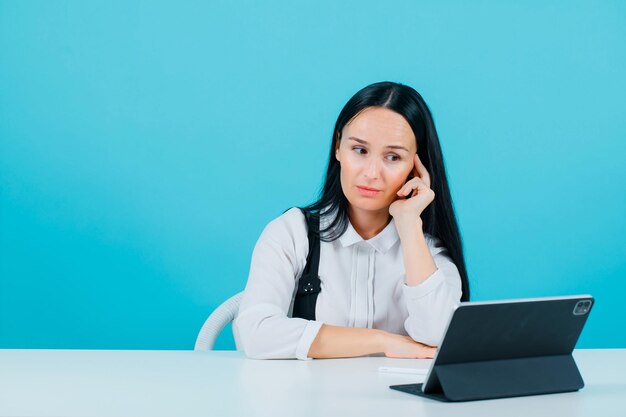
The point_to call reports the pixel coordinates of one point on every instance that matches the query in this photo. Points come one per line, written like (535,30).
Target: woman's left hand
(421,194)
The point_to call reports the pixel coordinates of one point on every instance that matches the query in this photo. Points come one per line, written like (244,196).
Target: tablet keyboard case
(507,349)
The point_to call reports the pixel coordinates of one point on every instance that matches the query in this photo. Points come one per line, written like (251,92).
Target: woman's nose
(372,170)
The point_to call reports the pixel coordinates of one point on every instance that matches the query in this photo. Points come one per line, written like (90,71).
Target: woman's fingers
(422,171)
(421,182)
(414,185)
(417,183)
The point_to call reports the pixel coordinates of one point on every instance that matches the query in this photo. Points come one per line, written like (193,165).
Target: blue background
(145,145)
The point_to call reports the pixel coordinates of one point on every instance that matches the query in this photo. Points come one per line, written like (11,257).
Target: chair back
(216,322)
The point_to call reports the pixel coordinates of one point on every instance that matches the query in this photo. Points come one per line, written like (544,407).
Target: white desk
(224,383)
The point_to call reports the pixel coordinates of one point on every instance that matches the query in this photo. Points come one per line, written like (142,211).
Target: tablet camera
(582,307)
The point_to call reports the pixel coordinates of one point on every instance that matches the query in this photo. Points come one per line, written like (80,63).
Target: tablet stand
(501,378)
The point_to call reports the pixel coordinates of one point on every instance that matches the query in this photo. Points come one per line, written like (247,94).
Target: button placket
(370,288)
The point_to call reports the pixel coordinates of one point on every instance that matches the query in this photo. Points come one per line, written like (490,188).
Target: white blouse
(362,285)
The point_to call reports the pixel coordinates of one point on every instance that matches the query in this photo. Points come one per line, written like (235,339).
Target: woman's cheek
(399,178)
(353,159)
(352,166)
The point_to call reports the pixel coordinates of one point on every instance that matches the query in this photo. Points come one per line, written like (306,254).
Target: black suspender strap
(309,284)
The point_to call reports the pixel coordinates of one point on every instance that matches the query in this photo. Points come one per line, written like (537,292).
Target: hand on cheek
(418,188)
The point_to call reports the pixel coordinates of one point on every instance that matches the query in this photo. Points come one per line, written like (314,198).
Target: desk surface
(225,383)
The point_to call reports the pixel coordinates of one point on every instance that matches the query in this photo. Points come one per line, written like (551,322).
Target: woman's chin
(368,204)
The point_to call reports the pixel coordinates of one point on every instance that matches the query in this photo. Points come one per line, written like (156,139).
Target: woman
(390,257)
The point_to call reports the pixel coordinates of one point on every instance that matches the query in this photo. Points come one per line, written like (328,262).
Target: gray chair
(219,318)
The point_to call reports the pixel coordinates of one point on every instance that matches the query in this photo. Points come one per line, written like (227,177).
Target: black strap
(309,284)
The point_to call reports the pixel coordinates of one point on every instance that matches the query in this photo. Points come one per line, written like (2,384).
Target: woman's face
(376,153)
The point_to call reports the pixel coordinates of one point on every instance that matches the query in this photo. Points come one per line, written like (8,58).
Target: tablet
(496,349)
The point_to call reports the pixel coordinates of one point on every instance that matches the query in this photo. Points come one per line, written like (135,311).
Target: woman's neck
(368,223)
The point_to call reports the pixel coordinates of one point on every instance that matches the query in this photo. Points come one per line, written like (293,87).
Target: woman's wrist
(382,340)
(409,227)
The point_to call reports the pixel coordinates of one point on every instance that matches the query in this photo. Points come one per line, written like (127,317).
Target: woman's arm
(433,282)
(262,325)
(418,261)
(347,342)
(433,285)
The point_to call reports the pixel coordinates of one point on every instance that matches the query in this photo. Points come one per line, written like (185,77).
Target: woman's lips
(367,191)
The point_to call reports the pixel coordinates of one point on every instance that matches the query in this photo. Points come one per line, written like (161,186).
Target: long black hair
(438,218)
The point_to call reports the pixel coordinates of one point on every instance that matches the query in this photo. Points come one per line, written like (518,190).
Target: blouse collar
(382,242)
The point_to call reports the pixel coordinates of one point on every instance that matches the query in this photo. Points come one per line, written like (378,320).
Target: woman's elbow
(255,341)
(429,329)
(428,334)
(247,340)
(255,349)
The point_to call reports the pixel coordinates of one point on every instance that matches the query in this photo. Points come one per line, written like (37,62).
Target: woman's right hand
(398,346)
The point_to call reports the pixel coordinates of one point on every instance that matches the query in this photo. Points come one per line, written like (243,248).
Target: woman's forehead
(380,126)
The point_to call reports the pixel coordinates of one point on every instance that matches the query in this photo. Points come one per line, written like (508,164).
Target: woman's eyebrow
(364,142)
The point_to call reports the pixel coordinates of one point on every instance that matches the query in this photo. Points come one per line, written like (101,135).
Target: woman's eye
(362,151)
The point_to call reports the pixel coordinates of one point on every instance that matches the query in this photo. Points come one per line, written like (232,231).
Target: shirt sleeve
(430,303)
(264,329)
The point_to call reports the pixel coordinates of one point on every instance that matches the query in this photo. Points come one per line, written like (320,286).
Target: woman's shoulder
(288,227)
